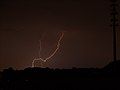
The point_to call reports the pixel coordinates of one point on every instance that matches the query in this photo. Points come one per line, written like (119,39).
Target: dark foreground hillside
(107,78)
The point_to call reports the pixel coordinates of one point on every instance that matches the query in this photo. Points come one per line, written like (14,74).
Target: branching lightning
(49,57)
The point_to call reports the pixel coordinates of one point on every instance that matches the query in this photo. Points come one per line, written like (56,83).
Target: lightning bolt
(55,51)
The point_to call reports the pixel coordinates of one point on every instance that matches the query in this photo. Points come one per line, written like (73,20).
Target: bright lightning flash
(46,59)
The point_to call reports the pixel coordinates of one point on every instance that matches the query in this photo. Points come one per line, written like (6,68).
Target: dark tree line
(62,79)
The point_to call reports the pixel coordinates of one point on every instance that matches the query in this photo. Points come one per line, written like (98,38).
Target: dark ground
(107,78)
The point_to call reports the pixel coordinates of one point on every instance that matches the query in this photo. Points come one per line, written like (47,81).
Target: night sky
(87,41)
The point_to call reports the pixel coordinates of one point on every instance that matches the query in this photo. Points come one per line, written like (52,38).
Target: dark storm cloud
(87,42)
(67,15)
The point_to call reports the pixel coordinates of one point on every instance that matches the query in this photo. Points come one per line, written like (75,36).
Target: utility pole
(114,24)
